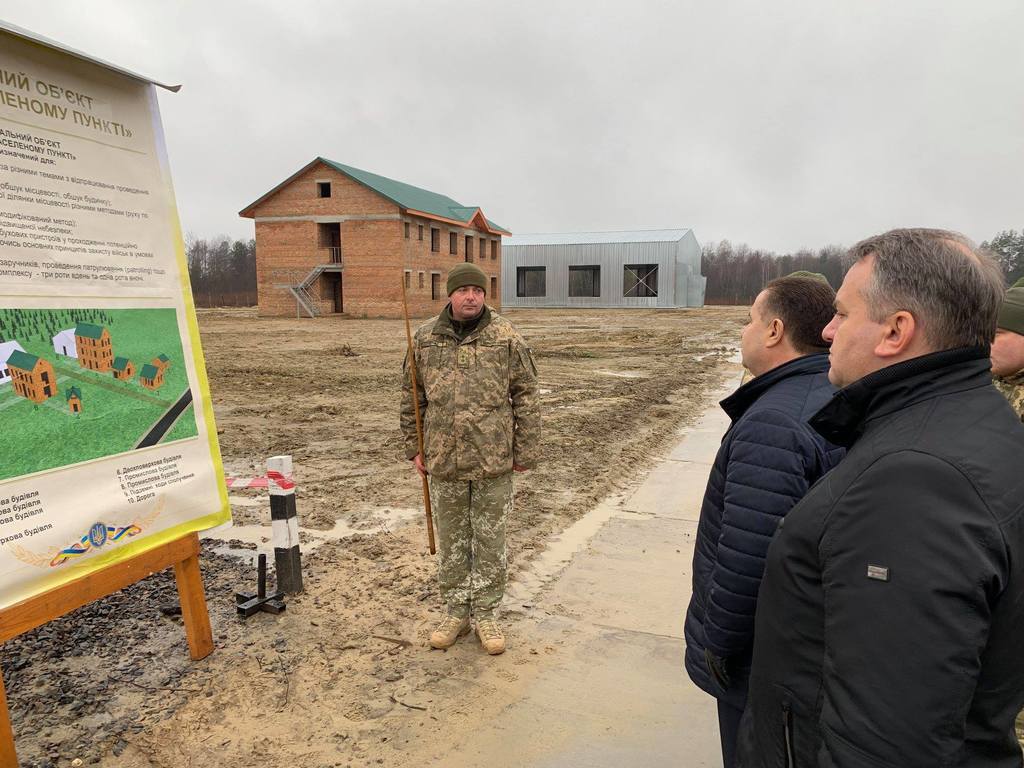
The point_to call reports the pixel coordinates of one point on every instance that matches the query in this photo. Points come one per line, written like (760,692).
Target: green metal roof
(408,196)
(73,392)
(22,360)
(148,371)
(120,363)
(89,331)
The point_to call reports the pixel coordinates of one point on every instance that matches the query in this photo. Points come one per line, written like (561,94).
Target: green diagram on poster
(84,384)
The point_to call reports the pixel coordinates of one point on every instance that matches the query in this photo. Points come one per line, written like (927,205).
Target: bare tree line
(222,271)
(737,273)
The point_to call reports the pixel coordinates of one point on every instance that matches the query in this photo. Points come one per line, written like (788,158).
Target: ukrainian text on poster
(107,442)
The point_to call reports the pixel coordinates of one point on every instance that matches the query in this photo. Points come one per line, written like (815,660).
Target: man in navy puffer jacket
(768,459)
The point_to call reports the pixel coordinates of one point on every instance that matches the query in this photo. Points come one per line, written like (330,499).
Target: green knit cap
(466,274)
(812,275)
(1011,312)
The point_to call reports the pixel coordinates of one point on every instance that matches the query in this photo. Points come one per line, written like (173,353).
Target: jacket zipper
(787,729)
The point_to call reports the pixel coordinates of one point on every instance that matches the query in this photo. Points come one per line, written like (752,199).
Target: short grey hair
(951,287)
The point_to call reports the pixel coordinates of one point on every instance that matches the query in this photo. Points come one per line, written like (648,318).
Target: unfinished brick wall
(420,259)
(374,250)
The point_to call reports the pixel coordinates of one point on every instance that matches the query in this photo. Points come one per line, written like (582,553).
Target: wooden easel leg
(193,605)
(7,754)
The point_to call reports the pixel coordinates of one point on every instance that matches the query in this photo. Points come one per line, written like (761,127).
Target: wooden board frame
(181,553)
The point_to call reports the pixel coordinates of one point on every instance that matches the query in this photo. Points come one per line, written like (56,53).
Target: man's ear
(899,332)
(776,332)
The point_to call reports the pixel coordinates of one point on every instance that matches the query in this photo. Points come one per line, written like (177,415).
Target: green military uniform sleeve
(1012,388)
(407,417)
(525,397)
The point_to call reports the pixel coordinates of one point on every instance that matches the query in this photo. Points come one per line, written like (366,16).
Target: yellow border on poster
(222,515)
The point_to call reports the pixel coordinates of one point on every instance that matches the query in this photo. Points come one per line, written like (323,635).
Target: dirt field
(344,677)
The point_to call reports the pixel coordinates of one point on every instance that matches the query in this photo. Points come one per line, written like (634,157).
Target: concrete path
(616,693)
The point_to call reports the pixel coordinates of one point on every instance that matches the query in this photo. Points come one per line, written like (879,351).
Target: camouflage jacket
(1012,388)
(478,399)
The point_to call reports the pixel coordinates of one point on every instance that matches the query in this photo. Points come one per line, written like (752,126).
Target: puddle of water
(248,501)
(624,374)
(312,538)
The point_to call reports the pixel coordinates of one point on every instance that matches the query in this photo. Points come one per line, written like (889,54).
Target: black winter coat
(890,625)
(768,459)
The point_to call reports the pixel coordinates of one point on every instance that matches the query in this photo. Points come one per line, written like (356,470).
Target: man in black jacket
(767,460)
(889,625)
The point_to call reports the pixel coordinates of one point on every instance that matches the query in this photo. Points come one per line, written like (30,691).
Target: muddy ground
(344,677)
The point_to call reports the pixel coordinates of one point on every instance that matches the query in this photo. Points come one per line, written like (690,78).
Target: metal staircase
(303,298)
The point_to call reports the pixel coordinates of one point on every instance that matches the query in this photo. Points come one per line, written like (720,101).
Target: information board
(107,440)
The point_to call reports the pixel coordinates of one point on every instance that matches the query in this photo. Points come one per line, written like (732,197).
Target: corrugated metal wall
(680,283)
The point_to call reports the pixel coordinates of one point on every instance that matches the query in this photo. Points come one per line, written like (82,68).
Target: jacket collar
(445,324)
(736,404)
(847,416)
(1015,379)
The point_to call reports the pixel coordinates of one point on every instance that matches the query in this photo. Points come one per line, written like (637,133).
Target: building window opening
(494,250)
(435,240)
(469,247)
(640,280)
(406,227)
(329,239)
(323,189)
(531,281)
(419,231)
(494,289)
(408,279)
(453,243)
(585,281)
(421,279)
(435,286)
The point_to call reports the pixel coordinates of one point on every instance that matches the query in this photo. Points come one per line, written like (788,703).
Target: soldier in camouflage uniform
(1008,350)
(477,384)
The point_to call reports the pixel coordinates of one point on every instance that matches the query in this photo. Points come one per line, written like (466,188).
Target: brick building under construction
(332,239)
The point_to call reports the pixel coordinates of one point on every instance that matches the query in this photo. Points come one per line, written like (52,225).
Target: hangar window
(585,281)
(640,280)
(531,281)
(323,189)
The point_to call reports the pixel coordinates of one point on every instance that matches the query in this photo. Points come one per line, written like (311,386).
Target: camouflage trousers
(470,517)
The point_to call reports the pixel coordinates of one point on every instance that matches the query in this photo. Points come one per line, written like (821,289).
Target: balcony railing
(335,253)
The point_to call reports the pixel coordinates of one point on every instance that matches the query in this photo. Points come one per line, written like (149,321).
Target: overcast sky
(782,125)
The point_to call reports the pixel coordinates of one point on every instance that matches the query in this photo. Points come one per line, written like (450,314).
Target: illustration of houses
(6,348)
(64,343)
(92,343)
(123,368)
(74,397)
(161,361)
(151,377)
(32,377)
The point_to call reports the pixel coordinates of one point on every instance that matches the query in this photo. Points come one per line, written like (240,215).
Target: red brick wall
(347,197)
(375,252)
(419,258)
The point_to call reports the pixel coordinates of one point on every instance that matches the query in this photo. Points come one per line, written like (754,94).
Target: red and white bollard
(284,524)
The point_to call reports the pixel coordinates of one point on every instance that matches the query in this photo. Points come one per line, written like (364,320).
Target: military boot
(490,636)
(449,630)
